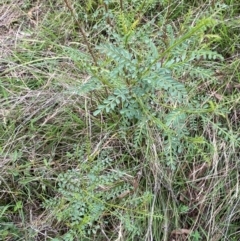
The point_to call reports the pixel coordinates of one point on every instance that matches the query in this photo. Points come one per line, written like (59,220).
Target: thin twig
(121,5)
(82,32)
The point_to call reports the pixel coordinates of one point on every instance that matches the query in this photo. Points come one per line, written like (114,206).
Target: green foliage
(88,195)
(141,80)
(195,236)
(135,82)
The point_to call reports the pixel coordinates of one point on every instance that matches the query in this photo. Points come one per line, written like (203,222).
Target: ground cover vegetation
(119,120)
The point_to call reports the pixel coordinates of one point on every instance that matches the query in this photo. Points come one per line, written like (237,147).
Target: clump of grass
(119,121)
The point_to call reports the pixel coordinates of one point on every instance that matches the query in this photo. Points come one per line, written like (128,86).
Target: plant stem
(121,5)
(82,32)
